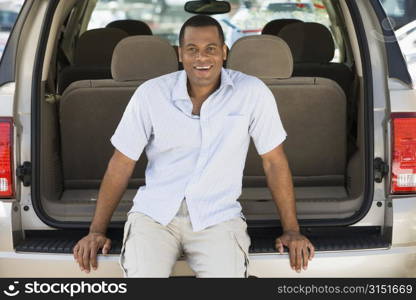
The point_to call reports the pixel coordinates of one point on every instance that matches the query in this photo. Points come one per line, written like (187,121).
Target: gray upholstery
(313,49)
(160,58)
(95,47)
(75,73)
(275,26)
(93,55)
(309,42)
(131,27)
(246,56)
(313,112)
(90,111)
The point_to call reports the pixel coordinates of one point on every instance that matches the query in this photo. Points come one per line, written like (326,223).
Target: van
(350,120)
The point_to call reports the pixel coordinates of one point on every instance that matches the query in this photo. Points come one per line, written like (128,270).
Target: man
(196,126)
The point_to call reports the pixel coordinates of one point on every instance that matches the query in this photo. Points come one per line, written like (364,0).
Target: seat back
(312,110)
(275,26)
(131,27)
(92,59)
(90,110)
(313,50)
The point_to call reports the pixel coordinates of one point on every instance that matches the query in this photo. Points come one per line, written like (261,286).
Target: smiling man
(196,126)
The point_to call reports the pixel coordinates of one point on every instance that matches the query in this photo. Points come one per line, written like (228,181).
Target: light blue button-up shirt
(199,158)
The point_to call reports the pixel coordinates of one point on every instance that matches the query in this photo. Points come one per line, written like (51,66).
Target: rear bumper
(393,262)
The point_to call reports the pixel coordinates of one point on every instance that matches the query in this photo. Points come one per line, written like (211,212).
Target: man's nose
(200,55)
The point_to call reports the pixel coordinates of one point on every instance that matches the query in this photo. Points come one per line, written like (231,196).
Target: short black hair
(200,21)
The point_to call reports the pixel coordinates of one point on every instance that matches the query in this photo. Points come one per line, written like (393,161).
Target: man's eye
(192,49)
(211,49)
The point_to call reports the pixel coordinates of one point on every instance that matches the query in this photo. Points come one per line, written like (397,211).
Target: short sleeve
(266,128)
(133,132)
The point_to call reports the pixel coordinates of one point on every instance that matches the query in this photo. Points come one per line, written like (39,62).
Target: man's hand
(85,251)
(301,249)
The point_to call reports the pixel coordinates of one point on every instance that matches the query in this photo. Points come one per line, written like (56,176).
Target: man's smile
(203,68)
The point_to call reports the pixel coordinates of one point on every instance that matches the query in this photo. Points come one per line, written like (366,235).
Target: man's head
(202,50)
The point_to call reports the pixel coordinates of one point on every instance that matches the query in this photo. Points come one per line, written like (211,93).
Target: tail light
(403,177)
(6,163)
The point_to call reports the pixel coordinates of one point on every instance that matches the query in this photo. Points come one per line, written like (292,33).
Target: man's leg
(218,251)
(149,248)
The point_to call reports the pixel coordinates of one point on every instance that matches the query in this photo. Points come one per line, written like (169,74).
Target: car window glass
(9,11)
(403,19)
(165,17)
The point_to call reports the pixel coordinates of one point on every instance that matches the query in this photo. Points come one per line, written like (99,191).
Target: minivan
(350,120)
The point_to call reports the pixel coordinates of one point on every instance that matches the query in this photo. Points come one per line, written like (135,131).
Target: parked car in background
(9,10)
(406,36)
(7,19)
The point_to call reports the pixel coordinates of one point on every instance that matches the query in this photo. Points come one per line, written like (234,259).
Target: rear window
(165,17)
(290,7)
(9,10)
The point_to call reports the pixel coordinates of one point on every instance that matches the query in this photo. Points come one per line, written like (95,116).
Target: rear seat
(91,109)
(131,27)
(312,109)
(275,26)
(313,50)
(92,58)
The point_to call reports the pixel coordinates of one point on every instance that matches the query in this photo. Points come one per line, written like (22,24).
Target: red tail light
(403,179)
(6,163)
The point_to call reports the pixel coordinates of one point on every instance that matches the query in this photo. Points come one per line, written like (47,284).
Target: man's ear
(225,51)
(180,53)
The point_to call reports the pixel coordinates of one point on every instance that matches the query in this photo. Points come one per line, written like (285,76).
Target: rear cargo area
(320,99)
(75,150)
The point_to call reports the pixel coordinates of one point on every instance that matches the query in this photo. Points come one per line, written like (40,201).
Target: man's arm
(279,180)
(112,188)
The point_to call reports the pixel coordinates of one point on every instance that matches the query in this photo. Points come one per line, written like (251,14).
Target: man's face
(202,54)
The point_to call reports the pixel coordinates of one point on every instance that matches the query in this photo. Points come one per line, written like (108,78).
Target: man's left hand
(301,249)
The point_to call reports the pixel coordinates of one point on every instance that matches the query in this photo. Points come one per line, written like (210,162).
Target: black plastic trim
(396,62)
(262,240)
(8,59)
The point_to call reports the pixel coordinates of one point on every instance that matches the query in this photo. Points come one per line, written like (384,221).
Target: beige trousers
(151,249)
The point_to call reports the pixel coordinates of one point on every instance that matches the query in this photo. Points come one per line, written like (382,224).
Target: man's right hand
(85,251)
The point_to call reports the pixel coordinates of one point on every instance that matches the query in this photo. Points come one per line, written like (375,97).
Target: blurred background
(165,17)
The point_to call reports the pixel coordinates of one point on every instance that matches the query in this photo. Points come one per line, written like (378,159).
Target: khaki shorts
(151,249)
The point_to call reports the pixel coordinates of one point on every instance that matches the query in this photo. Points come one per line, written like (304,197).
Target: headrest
(143,57)
(274,26)
(265,56)
(95,47)
(132,27)
(309,42)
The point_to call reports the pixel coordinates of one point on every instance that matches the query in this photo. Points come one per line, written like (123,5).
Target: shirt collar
(180,92)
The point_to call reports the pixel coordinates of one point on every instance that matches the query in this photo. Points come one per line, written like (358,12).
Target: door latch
(24,173)
(381,169)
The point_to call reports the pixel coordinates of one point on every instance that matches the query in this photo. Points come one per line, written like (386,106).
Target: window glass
(9,11)
(165,17)
(400,13)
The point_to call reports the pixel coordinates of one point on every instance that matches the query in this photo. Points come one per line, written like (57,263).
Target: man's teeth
(203,68)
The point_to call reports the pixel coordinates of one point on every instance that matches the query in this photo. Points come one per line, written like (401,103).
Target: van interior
(312,69)
(316,98)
